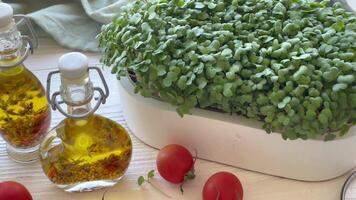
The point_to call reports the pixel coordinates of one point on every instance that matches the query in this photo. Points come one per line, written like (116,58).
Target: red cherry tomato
(223,186)
(174,162)
(11,190)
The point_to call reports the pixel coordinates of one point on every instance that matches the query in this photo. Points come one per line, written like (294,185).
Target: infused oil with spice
(85,151)
(24,110)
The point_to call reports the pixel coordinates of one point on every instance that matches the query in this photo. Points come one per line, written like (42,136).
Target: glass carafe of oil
(85,151)
(24,111)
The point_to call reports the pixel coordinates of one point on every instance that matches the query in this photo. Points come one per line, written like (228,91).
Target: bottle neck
(77,94)
(78,110)
(10,46)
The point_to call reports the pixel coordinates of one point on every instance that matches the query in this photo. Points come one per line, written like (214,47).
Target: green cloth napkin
(73,24)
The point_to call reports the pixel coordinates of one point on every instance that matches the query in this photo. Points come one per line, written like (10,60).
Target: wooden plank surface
(257,186)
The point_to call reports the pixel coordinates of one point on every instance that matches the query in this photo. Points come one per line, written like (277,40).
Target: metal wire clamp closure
(55,104)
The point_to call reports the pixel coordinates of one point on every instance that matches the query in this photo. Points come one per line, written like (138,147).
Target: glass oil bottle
(24,111)
(85,151)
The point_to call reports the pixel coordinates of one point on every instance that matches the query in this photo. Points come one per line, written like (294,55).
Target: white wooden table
(256,186)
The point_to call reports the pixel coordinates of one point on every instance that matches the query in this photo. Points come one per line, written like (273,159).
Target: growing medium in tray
(288,63)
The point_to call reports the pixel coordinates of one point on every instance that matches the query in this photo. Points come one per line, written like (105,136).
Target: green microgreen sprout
(148,179)
(142,179)
(289,64)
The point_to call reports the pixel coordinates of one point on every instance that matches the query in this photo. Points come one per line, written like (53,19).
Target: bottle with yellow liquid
(24,111)
(85,151)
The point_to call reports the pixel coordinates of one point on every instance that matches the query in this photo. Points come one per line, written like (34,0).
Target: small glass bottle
(24,110)
(85,151)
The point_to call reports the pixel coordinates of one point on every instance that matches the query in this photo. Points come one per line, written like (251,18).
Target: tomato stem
(190,175)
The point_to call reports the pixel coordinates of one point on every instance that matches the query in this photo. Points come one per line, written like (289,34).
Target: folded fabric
(76,23)
(73,24)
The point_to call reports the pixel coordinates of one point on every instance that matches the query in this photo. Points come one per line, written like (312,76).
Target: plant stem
(103,198)
(158,189)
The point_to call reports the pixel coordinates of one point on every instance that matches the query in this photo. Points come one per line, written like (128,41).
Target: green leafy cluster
(288,63)
(141,180)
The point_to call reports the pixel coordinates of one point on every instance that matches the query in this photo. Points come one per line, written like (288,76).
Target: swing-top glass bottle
(24,111)
(85,151)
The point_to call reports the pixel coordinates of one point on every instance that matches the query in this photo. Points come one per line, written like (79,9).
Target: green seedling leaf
(287,63)
(150,174)
(140,180)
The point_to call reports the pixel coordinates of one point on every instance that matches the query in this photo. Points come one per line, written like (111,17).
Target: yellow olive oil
(78,151)
(24,111)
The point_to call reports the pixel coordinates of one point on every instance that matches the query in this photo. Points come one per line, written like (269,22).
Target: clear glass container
(85,151)
(24,110)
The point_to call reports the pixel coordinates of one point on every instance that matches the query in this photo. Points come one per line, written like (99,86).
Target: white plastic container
(236,141)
